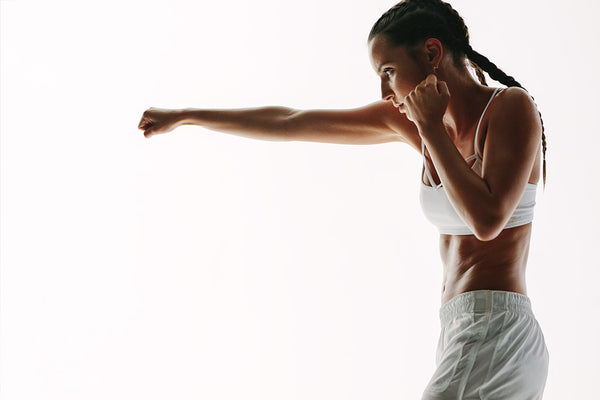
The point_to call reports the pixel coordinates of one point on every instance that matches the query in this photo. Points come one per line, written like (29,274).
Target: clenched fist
(159,120)
(427,102)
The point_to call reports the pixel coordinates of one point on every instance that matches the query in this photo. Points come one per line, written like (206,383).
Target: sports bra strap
(478,124)
(470,157)
(427,169)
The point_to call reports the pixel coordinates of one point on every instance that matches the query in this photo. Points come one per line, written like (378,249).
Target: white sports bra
(439,211)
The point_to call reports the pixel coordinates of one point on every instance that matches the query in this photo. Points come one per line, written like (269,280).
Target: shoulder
(514,113)
(515,93)
(514,131)
(515,99)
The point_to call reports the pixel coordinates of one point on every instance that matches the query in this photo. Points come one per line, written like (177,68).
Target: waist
(499,264)
(484,301)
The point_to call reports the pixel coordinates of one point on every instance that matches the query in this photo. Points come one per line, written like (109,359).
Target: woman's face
(398,71)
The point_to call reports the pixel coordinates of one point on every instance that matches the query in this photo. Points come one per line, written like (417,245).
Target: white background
(204,265)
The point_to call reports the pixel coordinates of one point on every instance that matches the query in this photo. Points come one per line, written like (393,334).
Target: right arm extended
(378,122)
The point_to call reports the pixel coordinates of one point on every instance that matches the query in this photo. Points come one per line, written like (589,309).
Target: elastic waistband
(484,301)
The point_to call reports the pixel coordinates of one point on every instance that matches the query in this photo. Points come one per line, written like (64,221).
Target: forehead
(381,50)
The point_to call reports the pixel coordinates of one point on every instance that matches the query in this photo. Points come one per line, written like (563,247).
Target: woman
(481,162)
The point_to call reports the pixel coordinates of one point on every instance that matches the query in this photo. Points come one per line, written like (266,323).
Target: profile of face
(399,72)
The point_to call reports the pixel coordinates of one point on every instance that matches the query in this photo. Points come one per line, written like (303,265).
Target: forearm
(263,123)
(468,192)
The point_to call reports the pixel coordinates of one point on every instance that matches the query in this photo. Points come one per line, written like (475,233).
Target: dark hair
(410,22)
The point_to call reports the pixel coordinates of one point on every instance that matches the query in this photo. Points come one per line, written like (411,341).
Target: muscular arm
(375,123)
(512,142)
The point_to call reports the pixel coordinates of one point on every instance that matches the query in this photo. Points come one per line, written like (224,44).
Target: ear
(434,51)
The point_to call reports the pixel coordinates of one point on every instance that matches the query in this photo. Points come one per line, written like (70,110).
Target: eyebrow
(381,65)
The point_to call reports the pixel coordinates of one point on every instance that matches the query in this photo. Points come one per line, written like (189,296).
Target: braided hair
(410,22)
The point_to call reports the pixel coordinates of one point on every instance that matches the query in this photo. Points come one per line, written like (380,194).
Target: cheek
(402,89)
(406,82)
(401,85)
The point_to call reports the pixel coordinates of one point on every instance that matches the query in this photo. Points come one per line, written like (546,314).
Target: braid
(411,22)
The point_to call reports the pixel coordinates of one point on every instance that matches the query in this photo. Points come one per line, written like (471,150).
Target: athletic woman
(482,150)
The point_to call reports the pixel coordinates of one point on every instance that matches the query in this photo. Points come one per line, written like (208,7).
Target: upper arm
(511,146)
(377,122)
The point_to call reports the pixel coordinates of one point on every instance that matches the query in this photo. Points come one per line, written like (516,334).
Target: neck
(466,94)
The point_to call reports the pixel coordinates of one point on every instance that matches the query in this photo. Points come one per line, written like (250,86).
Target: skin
(444,108)
(440,110)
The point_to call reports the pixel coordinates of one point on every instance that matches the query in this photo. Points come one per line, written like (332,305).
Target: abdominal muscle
(498,264)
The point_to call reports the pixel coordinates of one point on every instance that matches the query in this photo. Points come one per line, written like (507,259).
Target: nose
(387,93)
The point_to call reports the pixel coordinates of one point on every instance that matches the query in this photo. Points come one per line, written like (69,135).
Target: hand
(159,120)
(426,103)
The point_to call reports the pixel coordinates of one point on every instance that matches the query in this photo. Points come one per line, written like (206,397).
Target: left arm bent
(513,138)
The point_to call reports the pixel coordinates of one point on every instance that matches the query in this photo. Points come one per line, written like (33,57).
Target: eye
(387,72)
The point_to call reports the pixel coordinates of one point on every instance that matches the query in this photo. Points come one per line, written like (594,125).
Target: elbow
(488,228)
(486,235)
(289,124)
(488,221)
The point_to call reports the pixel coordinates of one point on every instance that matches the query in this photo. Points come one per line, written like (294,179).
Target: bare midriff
(498,264)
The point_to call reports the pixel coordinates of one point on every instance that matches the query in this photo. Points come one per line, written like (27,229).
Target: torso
(499,264)
(471,264)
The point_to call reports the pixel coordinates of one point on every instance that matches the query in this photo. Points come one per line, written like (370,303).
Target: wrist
(184,116)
